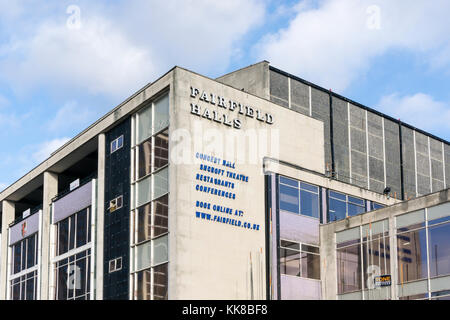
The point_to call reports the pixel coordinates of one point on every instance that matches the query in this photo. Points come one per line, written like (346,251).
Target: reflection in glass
(412,255)
(161,149)
(145,158)
(439,240)
(376,258)
(349,269)
(337,210)
(160,282)
(289,199)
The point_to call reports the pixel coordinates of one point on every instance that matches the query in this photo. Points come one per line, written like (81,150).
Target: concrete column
(8,212)
(50,191)
(100,212)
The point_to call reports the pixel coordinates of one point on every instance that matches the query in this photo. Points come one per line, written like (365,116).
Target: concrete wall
(214,260)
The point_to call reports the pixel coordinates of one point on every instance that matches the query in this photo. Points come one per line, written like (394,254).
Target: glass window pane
(144,191)
(376,259)
(143,285)
(145,158)
(290,182)
(31,251)
(349,269)
(144,124)
(160,250)
(17,250)
(161,210)
(354,209)
(290,262)
(82,228)
(376,206)
(310,265)
(161,183)
(356,200)
(337,210)
(62,283)
(30,289)
(309,187)
(290,245)
(144,222)
(289,200)
(161,149)
(72,232)
(439,239)
(309,248)
(160,282)
(412,256)
(161,113)
(309,204)
(338,195)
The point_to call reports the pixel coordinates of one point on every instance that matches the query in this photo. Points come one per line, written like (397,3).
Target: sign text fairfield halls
(231,105)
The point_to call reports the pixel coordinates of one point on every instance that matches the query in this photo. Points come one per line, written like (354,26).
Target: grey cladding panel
(279,86)
(357,117)
(375,124)
(358,138)
(409,170)
(421,143)
(299,97)
(340,139)
(436,149)
(320,102)
(423,184)
(73,202)
(376,170)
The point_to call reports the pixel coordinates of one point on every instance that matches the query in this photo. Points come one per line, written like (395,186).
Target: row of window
(422,253)
(303,198)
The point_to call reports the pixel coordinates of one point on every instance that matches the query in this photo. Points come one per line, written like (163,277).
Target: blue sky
(63,64)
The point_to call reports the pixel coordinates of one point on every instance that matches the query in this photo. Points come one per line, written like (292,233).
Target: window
(341,206)
(147,164)
(115,264)
(299,259)
(159,283)
(24,277)
(148,228)
(73,277)
(72,270)
(24,254)
(115,204)
(299,197)
(412,253)
(117,144)
(375,206)
(439,249)
(349,266)
(74,231)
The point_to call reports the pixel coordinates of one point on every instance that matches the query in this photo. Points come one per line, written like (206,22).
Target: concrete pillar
(100,212)
(8,213)
(50,191)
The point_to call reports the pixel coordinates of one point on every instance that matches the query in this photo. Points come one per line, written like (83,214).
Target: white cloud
(2,186)
(43,150)
(333,42)
(71,116)
(96,58)
(122,46)
(419,110)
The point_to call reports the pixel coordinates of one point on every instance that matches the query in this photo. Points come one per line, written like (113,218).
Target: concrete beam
(100,223)
(8,213)
(50,191)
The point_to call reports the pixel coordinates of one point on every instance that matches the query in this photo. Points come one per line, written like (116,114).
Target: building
(242,187)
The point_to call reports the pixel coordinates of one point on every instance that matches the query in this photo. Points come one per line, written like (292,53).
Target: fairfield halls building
(255,185)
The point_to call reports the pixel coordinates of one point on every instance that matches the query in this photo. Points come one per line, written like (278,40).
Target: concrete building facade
(233,188)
